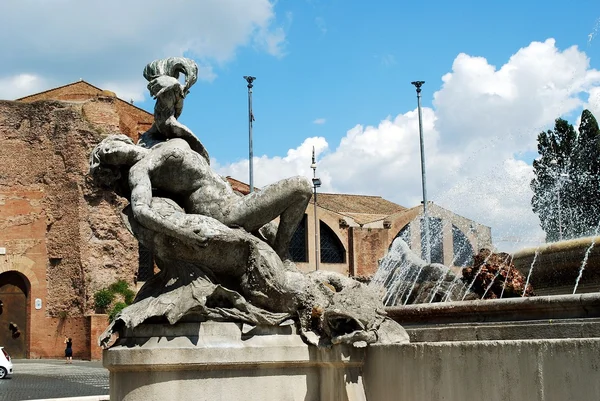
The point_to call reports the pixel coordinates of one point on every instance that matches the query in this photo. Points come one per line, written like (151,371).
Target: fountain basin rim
(495,310)
(560,246)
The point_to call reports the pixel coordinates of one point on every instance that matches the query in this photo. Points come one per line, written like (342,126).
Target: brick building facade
(61,238)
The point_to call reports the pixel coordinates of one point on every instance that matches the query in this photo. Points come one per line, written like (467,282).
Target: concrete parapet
(226,361)
(525,370)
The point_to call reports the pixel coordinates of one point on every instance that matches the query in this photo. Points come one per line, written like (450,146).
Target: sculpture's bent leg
(287,199)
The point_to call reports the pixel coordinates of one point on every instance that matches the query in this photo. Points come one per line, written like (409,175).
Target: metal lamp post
(316,184)
(418,85)
(250,79)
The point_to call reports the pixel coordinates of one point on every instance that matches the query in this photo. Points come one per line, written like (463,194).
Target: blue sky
(352,62)
(496,74)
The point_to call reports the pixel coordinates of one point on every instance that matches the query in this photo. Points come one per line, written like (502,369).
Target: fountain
(521,348)
(228,317)
(404,278)
(228,314)
(556,266)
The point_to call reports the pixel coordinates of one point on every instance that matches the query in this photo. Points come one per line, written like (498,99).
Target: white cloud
(320,121)
(20,85)
(483,118)
(112,40)
(593,103)
(268,170)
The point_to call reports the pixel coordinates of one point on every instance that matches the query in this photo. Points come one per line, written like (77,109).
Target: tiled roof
(240,186)
(358,204)
(361,208)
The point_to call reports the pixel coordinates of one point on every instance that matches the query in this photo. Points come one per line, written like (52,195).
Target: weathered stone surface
(45,148)
(493,275)
(229,361)
(220,254)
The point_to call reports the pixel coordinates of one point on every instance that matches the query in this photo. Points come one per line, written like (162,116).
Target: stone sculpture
(221,256)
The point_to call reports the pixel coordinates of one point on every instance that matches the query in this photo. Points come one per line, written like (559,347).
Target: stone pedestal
(229,361)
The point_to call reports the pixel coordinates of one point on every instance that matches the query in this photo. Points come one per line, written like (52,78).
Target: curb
(88,398)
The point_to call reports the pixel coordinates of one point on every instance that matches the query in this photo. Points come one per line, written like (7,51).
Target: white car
(6,366)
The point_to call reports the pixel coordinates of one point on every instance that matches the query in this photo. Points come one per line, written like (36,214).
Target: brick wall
(96,325)
(130,120)
(65,236)
(369,245)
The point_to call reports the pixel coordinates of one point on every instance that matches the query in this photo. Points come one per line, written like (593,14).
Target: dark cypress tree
(566,186)
(556,148)
(585,176)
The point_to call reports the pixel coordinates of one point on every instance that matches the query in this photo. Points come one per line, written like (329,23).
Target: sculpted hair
(172,67)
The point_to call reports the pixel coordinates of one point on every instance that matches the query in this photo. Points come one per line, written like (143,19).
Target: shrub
(129,295)
(106,296)
(119,287)
(119,306)
(103,298)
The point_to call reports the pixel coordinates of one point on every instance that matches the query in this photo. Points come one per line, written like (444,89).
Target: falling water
(592,34)
(505,280)
(450,288)
(491,284)
(438,285)
(400,272)
(413,284)
(582,268)
(535,256)
(475,277)
(495,277)
(585,258)
(392,270)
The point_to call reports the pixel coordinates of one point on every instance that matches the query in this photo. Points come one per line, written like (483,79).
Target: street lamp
(418,85)
(250,79)
(316,184)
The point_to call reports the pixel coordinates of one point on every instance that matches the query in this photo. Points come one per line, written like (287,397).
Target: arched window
(298,248)
(461,246)
(436,240)
(332,250)
(404,235)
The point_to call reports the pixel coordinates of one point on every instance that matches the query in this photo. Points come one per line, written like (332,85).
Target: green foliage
(119,306)
(106,296)
(119,286)
(566,186)
(128,295)
(103,298)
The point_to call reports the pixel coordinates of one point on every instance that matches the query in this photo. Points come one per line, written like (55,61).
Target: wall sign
(2,251)
(38,303)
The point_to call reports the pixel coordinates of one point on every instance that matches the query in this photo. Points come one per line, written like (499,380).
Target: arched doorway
(14,294)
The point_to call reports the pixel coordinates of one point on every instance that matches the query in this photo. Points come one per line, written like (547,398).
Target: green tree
(566,183)
(586,176)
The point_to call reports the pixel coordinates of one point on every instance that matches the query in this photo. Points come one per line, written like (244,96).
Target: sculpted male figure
(173,168)
(220,253)
(200,228)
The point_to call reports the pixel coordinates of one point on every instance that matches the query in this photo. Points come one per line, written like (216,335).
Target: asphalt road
(35,379)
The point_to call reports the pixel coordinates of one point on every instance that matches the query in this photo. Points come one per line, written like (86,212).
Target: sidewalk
(51,379)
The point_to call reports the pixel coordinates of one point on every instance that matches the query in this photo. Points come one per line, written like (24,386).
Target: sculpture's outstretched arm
(146,215)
